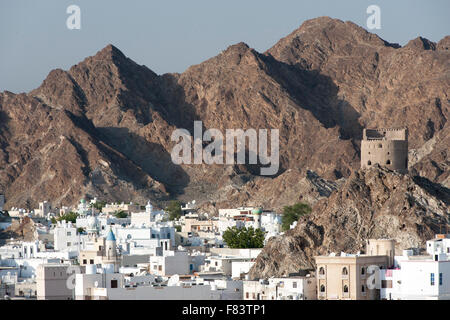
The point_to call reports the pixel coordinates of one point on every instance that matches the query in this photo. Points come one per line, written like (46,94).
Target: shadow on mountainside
(317,93)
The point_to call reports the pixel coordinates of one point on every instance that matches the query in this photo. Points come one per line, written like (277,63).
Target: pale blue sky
(171,35)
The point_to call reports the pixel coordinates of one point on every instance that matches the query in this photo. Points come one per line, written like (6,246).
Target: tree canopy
(293,213)
(70,216)
(99,205)
(174,209)
(244,237)
(120,214)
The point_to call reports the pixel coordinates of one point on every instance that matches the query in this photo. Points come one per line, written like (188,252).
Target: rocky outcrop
(373,203)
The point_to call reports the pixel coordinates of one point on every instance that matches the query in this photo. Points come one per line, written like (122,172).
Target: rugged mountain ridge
(103,127)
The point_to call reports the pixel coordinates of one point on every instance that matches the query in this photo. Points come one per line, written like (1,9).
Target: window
(345,288)
(440,279)
(160,268)
(432,279)
(91,261)
(113,283)
(322,288)
(321,270)
(344,271)
(386,284)
(363,270)
(246,295)
(369,162)
(294,284)
(69,233)
(69,244)
(363,288)
(84,261)
(388,162)
(380,145)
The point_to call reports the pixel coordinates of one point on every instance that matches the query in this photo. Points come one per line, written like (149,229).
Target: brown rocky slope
(373,203)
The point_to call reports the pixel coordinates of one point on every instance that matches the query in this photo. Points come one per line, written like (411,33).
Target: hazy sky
(170,35)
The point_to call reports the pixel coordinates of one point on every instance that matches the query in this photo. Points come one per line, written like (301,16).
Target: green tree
(244,237)
(174,209)
(53,220)
(99,205)
(293,213)
(71,216)
(121,214)
(178,228)
(80,230)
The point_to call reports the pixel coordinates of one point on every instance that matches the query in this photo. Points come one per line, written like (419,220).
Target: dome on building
(83,200)
(257,211)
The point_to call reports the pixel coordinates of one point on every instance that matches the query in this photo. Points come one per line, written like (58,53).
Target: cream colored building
(127,207)
(348,277)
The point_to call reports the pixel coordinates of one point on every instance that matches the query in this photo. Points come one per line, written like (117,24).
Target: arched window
(321,270)
(363,270)
(369,162)
(322,288)
(380,145)
(388,162)
(345,288)
(363,288)
(344,271)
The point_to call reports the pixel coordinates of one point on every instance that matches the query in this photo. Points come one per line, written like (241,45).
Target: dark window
(91,261)
(380,145)
(363,270)
(369,162)
(386,284)
(321,270)
(84,261)
(363,288)
(440,279)
(344,271)
(345,288)
(294,284)
(432,279)
(113,283)
(322,288)
(388,162)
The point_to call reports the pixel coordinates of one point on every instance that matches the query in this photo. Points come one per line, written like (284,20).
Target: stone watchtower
(386,147)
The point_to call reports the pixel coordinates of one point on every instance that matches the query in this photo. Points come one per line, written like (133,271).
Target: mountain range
(103,127)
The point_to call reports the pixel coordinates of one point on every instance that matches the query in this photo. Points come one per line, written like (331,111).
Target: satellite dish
(193,201)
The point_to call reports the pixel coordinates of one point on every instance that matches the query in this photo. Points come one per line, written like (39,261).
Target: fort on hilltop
(386,147)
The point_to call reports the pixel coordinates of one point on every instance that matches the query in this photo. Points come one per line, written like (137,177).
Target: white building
(291,288)
(44,209)
(419,277)
(170,262)
(115,287)
(66,237)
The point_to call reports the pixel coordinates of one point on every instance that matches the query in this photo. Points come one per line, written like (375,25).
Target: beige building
(101,251)
(346,277)
(386,147)
(51,282)
(126,207)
